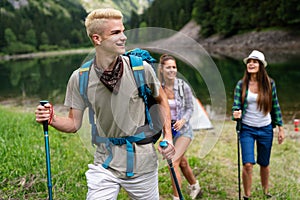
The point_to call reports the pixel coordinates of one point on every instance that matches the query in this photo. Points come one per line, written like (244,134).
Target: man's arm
(69,124)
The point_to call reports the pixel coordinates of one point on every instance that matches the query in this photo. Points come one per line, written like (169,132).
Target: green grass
(23,166)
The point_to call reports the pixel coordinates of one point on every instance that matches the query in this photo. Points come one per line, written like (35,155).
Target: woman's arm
(189,104)
(237,104)
(276,114)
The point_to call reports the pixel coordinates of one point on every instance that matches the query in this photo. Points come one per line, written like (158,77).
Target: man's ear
(96,39)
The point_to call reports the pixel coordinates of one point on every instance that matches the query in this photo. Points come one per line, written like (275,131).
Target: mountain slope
(31,25)
(126,7)
(277,45)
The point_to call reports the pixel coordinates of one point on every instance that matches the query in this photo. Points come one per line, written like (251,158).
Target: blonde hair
(97,17)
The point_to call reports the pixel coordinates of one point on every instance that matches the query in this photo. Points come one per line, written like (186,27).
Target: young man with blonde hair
(119,113)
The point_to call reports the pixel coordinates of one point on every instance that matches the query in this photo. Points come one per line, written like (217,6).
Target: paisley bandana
(111,79)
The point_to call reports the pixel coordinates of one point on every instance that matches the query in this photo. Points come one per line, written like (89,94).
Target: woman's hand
(280,134)
(237,114)
(179,124)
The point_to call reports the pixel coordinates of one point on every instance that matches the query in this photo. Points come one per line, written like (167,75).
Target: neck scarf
(111,79)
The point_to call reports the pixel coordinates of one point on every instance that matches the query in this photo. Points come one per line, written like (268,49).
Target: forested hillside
(223,17)
(172,14)
(33,25)
(236,16)
(127,7)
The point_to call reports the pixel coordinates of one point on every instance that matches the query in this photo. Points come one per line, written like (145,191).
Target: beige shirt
(117,115)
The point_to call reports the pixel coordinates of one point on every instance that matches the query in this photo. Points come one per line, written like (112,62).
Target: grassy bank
(23,170)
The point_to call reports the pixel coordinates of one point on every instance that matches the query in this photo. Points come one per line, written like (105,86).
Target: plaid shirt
(275,112)
(184,104)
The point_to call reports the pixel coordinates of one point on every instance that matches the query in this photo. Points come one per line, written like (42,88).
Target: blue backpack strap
(181,90)
(83,78)
(139,76)
(83,84)
(120,141)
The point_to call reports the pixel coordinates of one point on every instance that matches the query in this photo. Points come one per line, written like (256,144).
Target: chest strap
(120,141)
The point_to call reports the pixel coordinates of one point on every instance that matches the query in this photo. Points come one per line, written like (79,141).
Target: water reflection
(46,78)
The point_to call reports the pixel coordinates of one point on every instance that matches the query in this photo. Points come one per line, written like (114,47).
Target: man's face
(112,38)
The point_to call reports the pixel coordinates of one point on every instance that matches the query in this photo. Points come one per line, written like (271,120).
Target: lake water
(46,78)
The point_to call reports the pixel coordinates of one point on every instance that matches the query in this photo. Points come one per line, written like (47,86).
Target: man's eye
(116,32)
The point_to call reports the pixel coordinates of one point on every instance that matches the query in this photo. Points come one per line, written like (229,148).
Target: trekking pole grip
(238,123)
(163,144)
(45,123)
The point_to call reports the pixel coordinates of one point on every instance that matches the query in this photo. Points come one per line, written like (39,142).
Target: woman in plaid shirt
(256,104)
(180,99)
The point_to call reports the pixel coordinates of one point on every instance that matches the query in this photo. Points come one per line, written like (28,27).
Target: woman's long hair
(264,100)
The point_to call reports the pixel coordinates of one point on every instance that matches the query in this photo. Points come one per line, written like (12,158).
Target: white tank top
(172,105)
(253,116)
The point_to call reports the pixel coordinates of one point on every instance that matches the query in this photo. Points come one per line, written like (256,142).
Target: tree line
(41,26)
(52,24)
(235,16)
(222,17)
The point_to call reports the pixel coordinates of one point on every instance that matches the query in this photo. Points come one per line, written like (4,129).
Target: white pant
(102,184)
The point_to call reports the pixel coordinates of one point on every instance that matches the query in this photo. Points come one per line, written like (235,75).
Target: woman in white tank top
(256,104)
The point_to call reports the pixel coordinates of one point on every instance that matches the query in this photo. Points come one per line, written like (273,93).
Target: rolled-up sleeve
(237,104)
(189,105)
(276,111)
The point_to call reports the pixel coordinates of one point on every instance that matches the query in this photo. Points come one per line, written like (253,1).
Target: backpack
(136,58)
(181,90)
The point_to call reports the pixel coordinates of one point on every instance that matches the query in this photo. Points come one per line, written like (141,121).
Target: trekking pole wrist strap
(52,115)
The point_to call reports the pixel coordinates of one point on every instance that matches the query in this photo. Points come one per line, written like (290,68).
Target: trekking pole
(164,144)
(47,148)
(238,130)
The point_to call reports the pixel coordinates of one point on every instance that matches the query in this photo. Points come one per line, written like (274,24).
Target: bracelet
(53,119)
(51,115)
